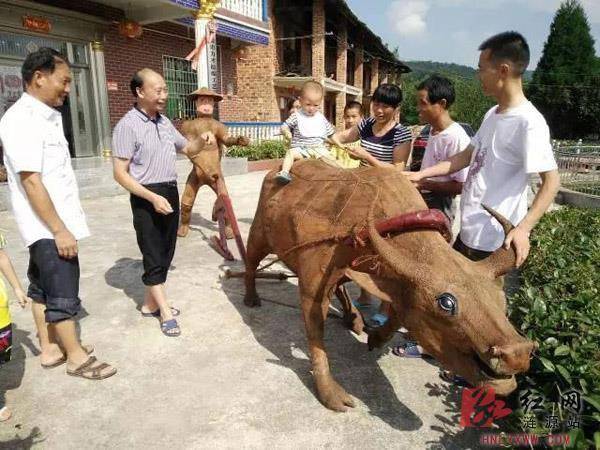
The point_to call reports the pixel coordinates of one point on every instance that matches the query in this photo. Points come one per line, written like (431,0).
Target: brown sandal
(89,349)
(92,371)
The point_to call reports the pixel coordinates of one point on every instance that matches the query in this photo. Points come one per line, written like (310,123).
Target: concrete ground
(237,377)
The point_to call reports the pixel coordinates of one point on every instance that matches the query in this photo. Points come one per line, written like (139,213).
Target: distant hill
(424,68)
(421,69)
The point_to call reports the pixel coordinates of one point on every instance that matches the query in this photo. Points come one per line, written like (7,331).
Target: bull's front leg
(330,393)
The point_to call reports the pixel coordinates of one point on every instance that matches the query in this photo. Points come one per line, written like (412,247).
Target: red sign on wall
(37,24)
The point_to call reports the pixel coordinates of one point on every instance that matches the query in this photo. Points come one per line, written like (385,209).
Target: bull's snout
(512,358)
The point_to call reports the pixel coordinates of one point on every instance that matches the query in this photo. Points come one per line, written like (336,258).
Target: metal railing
(248,8)
(579,167)
(255,131)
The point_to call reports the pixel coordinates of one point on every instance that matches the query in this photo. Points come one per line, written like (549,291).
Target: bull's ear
(498,263)
(382,288)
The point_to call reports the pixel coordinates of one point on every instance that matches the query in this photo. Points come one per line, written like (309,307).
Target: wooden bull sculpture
(324,227)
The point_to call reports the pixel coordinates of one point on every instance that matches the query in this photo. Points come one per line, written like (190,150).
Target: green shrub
(255,152)
(558,305)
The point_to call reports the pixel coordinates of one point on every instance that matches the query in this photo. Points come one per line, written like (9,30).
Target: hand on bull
(161,205)
(66,244)
(519,238)
(415,177)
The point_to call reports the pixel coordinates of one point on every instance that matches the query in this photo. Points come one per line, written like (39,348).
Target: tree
(565,83)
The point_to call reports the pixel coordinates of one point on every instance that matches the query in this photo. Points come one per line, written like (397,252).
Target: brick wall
(124,56)
(318,41)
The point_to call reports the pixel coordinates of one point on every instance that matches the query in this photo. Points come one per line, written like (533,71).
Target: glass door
(83,130)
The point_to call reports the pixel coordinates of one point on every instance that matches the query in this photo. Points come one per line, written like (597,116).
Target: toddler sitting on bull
(307,130)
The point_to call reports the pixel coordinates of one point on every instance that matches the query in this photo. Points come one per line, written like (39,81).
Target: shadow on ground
(353,366)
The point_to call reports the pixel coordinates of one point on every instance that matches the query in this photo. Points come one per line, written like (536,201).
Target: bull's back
(323,201)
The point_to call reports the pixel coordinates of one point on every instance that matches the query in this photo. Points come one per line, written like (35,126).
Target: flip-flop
(174,312)
(376,320)
(409,350)
(89,349)
(169,325)
(92,371)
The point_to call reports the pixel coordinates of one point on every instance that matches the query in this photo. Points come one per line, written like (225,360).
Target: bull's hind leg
(257,250)
(315,307)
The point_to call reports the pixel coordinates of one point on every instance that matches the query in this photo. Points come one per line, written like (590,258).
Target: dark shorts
(53,281)
(442,202)
(156,233)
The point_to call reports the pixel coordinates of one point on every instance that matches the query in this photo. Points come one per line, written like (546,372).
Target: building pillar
(318,40)
(204,16)
(359,59)
(101,105)
(374,74)
(385,74)
(305,54)
(341,71)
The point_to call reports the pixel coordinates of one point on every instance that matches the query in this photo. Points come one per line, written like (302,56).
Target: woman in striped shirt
(383,140)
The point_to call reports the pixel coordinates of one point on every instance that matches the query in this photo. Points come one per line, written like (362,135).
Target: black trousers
(156,233)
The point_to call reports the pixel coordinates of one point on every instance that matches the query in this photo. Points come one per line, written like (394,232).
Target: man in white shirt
(48,212)
(435,96)
(512,143)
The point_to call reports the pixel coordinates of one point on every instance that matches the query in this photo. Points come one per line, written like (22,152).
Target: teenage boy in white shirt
(46,205)
(512,143)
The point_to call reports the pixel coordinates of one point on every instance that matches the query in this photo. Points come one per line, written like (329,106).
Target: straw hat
(205,92)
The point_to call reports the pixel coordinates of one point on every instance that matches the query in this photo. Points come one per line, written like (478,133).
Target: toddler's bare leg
(290,156)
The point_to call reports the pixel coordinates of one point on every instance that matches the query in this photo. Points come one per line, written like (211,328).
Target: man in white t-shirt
(46,206)
(512,143)
(435,95)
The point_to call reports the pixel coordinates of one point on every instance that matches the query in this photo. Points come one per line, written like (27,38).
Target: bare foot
(50,354)
(183,230)
(5,414)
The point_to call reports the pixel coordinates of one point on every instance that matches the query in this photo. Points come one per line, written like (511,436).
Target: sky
(451,30)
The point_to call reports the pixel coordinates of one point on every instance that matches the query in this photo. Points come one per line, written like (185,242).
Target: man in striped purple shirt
(145,144)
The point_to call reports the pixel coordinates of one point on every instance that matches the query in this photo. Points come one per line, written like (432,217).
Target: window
(181,80)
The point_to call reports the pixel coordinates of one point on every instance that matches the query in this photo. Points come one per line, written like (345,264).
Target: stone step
(95,177)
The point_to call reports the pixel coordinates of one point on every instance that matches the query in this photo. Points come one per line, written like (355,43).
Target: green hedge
(255,152)
(558,305)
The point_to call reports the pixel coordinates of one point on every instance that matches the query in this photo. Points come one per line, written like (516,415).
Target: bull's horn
(506,224)
(502,260)
(388,253)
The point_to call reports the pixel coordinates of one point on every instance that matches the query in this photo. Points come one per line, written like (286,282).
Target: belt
(159,185)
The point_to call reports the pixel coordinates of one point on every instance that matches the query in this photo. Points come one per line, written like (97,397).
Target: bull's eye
(448,303)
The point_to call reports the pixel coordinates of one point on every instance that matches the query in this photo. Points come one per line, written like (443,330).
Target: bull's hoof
(183,230)
(229,232)
(252,301)
(332,395)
